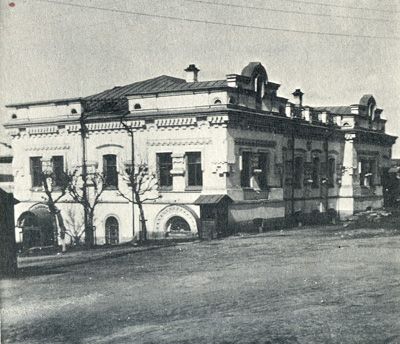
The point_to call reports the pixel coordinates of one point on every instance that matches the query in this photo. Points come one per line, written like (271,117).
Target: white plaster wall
(47,111)
(176,101)
(244,212)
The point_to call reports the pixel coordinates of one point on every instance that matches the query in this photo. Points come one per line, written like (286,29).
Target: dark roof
(163,83)
(337,110)
(212,199)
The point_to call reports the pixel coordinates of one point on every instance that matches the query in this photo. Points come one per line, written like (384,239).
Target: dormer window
(259,87)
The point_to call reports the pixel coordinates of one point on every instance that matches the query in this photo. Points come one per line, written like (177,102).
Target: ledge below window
(194,188)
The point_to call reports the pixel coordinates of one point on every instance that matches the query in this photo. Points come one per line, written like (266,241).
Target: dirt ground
(309,285)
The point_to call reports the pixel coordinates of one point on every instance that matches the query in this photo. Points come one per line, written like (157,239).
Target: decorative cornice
(255,143)
(98,126)
(179,142)
(47,147)
(42,130)
(171,122)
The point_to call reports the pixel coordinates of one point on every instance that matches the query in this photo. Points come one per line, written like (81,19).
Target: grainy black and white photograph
(200,171)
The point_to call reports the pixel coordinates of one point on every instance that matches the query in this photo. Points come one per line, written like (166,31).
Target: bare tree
(75,225)
(142,183)
(96,185)
(55,188)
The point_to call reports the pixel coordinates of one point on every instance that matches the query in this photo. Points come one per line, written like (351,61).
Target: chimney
(191,73)
(298,97)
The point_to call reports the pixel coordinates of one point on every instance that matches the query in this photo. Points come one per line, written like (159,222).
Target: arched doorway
(112,231)
(38,227)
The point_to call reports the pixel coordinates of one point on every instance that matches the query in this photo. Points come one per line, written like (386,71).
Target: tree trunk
(62,231)
(89,233)
(142,218)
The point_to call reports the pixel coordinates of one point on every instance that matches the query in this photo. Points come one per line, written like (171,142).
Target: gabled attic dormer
(255,90)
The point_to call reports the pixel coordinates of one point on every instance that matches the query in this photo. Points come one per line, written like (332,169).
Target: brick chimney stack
(191,73)
(298,97)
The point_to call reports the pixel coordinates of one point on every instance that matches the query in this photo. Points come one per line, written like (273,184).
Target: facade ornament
(180,142)
(256,143)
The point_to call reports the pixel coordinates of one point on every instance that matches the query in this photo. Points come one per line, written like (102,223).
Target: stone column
(346,191)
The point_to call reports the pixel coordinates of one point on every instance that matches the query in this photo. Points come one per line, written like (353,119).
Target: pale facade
(275,159)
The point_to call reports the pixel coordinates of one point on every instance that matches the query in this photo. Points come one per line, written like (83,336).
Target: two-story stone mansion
(229,150)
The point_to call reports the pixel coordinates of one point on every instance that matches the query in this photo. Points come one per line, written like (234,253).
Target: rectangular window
(36,171)
(367,169)
(331,172)
(164,167)
(263,167)
(58,170)
(246,169)
(315,173)
(110,170)
(195,174)
(298,172)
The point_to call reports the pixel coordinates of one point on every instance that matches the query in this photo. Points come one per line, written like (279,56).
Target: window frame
(160,169)
(57,175)
(315,172)
(246,169)
(298,177)
(331,170)
(198,173)
(114,183)
(36,181)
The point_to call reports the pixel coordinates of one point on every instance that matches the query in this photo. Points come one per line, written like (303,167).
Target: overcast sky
(52,50)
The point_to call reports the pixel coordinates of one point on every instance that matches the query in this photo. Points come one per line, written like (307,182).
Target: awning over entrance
(212,199)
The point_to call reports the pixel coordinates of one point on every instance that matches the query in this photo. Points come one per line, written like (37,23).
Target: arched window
(14,116)
(298,172)
(217,101)
(232,100)
(259,88)
(137,106)
(177,224)
(315,173)
(112,231)
(331,172)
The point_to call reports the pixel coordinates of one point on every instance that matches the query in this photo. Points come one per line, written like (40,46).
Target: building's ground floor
(209,216)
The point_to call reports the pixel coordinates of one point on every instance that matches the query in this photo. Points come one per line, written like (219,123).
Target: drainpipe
(129,130)
(326,172)
(293,172)
(83,131)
